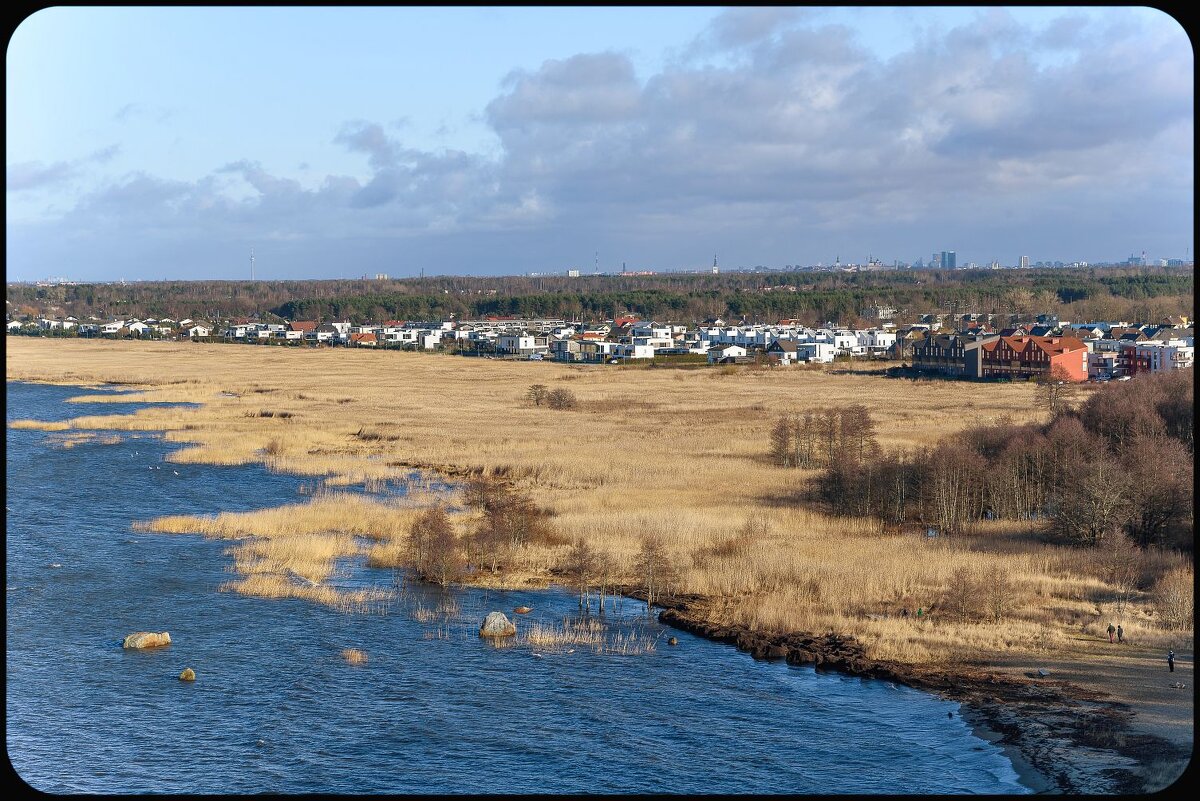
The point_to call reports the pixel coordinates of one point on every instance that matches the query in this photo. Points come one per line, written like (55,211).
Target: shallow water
(435,709)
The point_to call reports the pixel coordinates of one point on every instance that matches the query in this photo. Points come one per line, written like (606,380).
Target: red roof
(362,337)
(393,323)
(626,320)
(1051,345)
(303,325)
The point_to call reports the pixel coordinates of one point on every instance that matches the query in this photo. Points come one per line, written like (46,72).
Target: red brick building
(1025,357)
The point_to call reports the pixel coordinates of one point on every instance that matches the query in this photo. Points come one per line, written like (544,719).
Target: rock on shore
(496,624)
(146,639)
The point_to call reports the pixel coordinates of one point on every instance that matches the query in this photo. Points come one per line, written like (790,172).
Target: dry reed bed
(677,453)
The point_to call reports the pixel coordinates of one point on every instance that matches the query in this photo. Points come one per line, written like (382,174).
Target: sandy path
(1133,675)
(1136,676)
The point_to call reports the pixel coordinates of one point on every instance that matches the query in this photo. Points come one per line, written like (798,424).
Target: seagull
(539,656)
(176,472)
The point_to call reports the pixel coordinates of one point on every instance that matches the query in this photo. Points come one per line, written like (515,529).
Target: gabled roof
(302,325)
(1052,346)
(363,338)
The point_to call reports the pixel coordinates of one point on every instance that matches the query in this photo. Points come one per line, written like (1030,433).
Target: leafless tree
(781,441)
(580,567)
(537,394)
(435,547)
(655,569)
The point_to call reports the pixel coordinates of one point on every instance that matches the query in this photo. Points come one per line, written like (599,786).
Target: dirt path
(1136,676)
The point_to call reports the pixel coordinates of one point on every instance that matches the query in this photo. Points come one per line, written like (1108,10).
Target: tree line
(1122,463)
(1127,292)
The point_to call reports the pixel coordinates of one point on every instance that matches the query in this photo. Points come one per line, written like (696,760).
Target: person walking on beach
(1120,634)
(1111,631)
(1171,661)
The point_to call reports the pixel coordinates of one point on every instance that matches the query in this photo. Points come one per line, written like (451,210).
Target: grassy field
(678,453)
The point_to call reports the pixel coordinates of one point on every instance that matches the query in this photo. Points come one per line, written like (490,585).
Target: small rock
(672,641)
(146,639)
(522,610)
(496,624)
(1043,672)
(187,675)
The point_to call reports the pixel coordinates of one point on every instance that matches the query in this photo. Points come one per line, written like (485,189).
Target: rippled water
(435,710)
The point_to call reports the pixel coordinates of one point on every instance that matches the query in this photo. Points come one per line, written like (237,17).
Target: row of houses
(1070,352)
(1087,351)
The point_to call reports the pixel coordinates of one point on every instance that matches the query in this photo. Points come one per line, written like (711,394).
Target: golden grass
(587,633)
(678,453)
(354,656)
(39,425)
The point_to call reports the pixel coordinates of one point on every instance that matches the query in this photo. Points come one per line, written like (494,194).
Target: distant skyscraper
(935,260)
(1024,262)
(949,260)
(715,268)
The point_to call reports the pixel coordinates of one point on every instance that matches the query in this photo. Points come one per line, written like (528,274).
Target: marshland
(680,457)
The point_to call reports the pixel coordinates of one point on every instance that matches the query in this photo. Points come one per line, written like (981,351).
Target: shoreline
(1060,738)
(1008,709)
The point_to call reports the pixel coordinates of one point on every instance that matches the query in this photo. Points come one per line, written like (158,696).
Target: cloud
(804,140)
(30,175)
(36,175)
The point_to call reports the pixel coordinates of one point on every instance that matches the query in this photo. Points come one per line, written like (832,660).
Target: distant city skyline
(150,143)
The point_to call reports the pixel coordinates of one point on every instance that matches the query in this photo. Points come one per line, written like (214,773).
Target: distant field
(680,453)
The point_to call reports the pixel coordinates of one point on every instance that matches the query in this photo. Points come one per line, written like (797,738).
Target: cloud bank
(773,139)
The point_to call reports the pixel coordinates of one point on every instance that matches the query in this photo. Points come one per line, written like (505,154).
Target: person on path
(1171,661)
(1111,631)
(1120,633)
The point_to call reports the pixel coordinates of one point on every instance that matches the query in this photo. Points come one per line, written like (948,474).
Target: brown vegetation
(691,469)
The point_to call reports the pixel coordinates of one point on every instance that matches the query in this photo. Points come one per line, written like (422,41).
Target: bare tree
(1123,569)
(435,547)
(997,593)
(580,566)
(781,441)
(1092,505)
(537,394)
(654,568)
(961,597)
(1055,390)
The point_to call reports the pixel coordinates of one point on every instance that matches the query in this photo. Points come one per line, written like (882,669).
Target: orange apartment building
(1025,357)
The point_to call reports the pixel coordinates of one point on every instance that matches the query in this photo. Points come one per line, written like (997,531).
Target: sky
(168,143)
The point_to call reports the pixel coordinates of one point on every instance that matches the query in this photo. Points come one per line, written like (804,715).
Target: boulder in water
(497,625)
(187,675)
(146,639)
(522,610)
(672,641)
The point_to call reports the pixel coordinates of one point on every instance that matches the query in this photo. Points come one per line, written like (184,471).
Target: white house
(138,328)
(633,351)
(13,325)
(198,331)
(522,344)
(720,353)
(822,352)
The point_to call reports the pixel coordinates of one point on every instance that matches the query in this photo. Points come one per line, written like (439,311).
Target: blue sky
(165,143)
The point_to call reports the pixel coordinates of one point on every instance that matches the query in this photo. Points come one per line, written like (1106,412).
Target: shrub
(561,399)
(1174,596)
